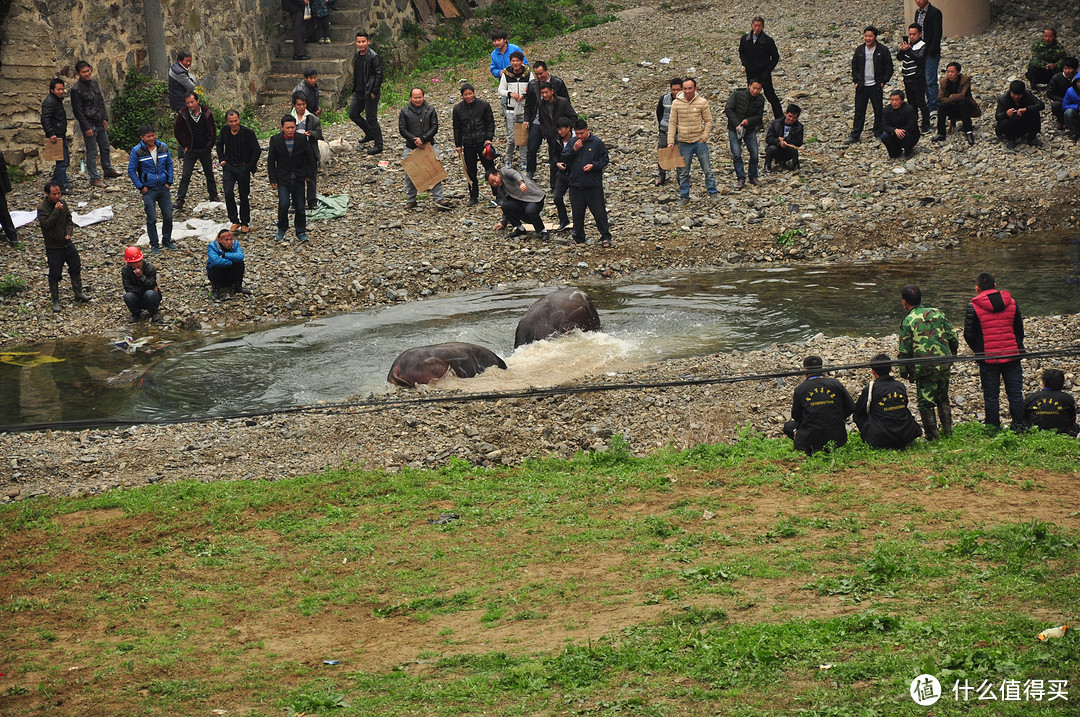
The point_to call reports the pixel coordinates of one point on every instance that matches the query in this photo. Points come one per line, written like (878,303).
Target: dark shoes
(217,198)
(472,202)
(178,205)
(155,318)
(169,244)
(366,138)
(1034,142)
(1011,144)
(909,151)
(740,184)
(375,150)
(411,204)
(98,183)
(444,205)
(851,139)
(519,232)
(241,289)
(755,181)
(111,173)
(301,57)
(938,138)
(970,137)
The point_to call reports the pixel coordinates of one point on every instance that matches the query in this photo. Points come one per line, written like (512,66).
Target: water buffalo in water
(555,314)
(425,364)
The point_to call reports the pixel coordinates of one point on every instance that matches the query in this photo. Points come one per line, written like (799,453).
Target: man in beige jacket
(691,121)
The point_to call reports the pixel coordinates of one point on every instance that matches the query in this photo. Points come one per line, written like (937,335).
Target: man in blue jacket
(225,265)
(150,168)
(584,160)
(500,56)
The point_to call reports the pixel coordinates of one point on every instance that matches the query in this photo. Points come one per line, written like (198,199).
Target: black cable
(381,403)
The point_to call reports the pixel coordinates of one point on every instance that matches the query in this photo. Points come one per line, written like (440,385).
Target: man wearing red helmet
(141,292)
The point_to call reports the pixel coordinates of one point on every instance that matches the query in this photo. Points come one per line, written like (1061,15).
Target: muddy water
(645,320)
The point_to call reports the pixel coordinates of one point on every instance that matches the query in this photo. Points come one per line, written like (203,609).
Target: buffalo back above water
(425,364)
(556,314)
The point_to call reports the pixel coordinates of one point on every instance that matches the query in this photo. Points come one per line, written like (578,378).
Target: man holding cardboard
(418,123)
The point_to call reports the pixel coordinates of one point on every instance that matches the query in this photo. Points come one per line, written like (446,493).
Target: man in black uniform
(819,409)
(881,413)
(1052,409)
(759,58)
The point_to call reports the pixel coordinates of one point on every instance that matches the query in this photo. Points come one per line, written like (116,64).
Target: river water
(645,320)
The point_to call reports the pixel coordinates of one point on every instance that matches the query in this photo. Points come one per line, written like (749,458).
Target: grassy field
(731,580)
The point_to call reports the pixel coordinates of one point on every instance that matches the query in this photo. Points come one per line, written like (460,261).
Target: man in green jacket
(926,332)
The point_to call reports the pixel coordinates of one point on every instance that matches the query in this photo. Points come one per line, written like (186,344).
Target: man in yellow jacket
(691,121)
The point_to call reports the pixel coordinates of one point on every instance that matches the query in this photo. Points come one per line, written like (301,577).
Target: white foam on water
(554,361)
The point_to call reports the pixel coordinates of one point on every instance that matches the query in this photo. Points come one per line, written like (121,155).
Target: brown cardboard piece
(669,158)
(521,134)
(424,168)
(54,152)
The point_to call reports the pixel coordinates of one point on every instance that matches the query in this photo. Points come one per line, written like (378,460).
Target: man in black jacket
(743,111)
(88,106)
(1052,408)
(1057,87)
(871,70)
(238,153)
(290,162)
(537,130)
(930,20)
(550,108)
(881,412)
(759,57)
(784,139)
(474,130)
(819,410)
(584,160)
(912,55)
(195,133)
(54,123)
(1017,116)
(367,85)
(901,131)
(418,123)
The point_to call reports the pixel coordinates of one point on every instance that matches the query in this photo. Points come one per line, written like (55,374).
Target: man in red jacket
(994,328)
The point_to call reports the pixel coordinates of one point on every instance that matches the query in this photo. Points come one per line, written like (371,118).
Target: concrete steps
(333,62)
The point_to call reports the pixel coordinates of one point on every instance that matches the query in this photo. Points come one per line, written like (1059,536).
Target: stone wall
(230,40)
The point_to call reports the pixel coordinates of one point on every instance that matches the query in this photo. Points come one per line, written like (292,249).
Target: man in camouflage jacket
(926,332)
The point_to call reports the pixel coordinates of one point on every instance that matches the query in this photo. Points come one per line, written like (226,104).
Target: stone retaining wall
(229,39)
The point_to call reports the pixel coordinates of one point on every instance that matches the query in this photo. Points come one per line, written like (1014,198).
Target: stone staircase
(333,62)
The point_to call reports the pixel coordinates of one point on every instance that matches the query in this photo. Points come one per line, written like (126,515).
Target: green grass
(710,581)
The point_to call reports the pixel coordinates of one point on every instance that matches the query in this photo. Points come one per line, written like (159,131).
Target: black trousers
(916,97)
(898,146)
(863,95)
(591,198)
(5,218)
(298,32)
(233,177)
(362,104)
(518,212)
(765,78)
(953,110)
(226,275)
(58,257)
(190,158)
(560,183)
(1017,127)
(472,155)
(776,153)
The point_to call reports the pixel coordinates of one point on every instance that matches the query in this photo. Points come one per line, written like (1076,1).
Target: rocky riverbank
(846,203)
(484,432)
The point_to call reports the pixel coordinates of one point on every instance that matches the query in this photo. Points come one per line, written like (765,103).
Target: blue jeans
(736,152)
(154,197)
(689,150)
(59,174)
(932,82)
(99,141)
(991,376)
